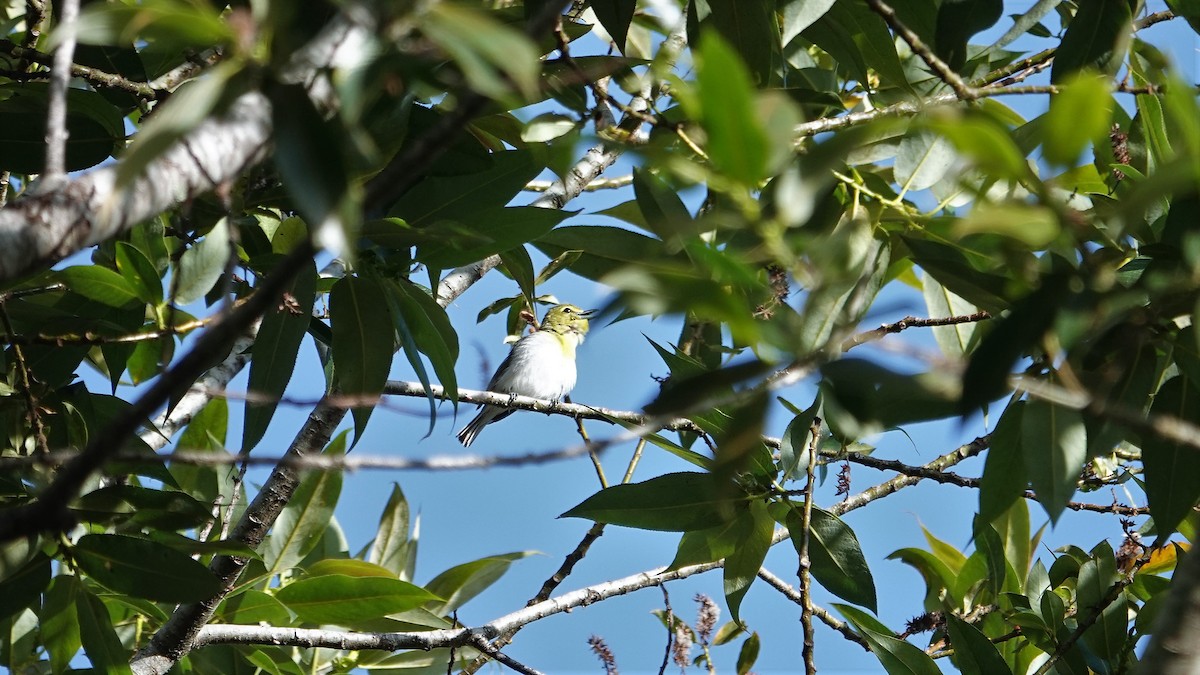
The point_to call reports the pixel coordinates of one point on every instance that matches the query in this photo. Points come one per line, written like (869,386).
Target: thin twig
(820,612)
(31,404)
(911,322)
(805,569)
(945,73)
(60,78)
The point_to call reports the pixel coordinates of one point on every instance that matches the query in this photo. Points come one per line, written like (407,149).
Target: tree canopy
(196,188)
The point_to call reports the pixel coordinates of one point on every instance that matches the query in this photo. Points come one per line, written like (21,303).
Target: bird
(540,364)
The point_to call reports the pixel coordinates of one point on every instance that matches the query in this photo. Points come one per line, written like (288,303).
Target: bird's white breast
(541,366)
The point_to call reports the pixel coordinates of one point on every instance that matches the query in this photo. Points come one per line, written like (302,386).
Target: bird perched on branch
(541,365)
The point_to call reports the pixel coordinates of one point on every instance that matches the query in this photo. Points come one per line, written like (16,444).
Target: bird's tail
(469,433)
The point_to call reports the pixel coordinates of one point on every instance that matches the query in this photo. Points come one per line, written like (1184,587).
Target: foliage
(844,150)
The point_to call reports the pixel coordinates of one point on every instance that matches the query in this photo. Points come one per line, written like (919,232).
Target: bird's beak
(588,312)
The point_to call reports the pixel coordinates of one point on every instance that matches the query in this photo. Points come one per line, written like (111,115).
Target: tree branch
(944,72)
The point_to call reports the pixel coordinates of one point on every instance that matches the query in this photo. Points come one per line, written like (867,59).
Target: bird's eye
(566,310)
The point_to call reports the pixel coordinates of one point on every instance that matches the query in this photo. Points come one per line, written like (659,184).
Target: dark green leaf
(392,548)
(143,569)
(347,601)
(22,587)
(986,376)
(252,607)
(794,446)
(59,619)
(754,530)
(837,559)
(897,656)
(974,653)
(704,546)
(485,232)
(1096,38)
(860,41)
(409,318)
(737,144)
(203,264)
(140,273)
(1054,443)
(275,350)
(96,633)
(98,283)
(676,502)
(957,21)
(519,266)
(1189,10)
(460,583)
(1080,114)
(748,654)
(661,208)
(602,249)
(94,127)
(1003,481)
(310,155)
(461,197)
(798,15)
(1107,637)
(1171,467)
(363,341)
(749,27)
(615,16)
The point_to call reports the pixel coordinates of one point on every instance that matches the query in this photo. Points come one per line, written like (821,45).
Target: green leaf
(460,583)
(275,350)
(748,654)
(98,283)
(836,557)
(750,28)
(661,208)
(348,601)
(140,273)
(1189,10)
(59,618)
(95,128)
(172,23)
(755,527)
(796,441)
(21,588)
(974,653)
(1097,38)
(483,233)
(518,265)
(602,249)
(432,334)
(922,160)
(252,607)
(203,264)
(875,395)
(798,15)
(1080,114)
(897,656)
(615,16)
(1171,468)
(307,515)
(957,340)
(957,21)
(1003,481)
(459,197)
(492,56)
(310,155)
(143,569)
(737,145)
(704,546)
(1107,637)
(859,40)
(986,376)
(96,633)
(1054,442)
(675,502)
(364,341)
(391,547)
